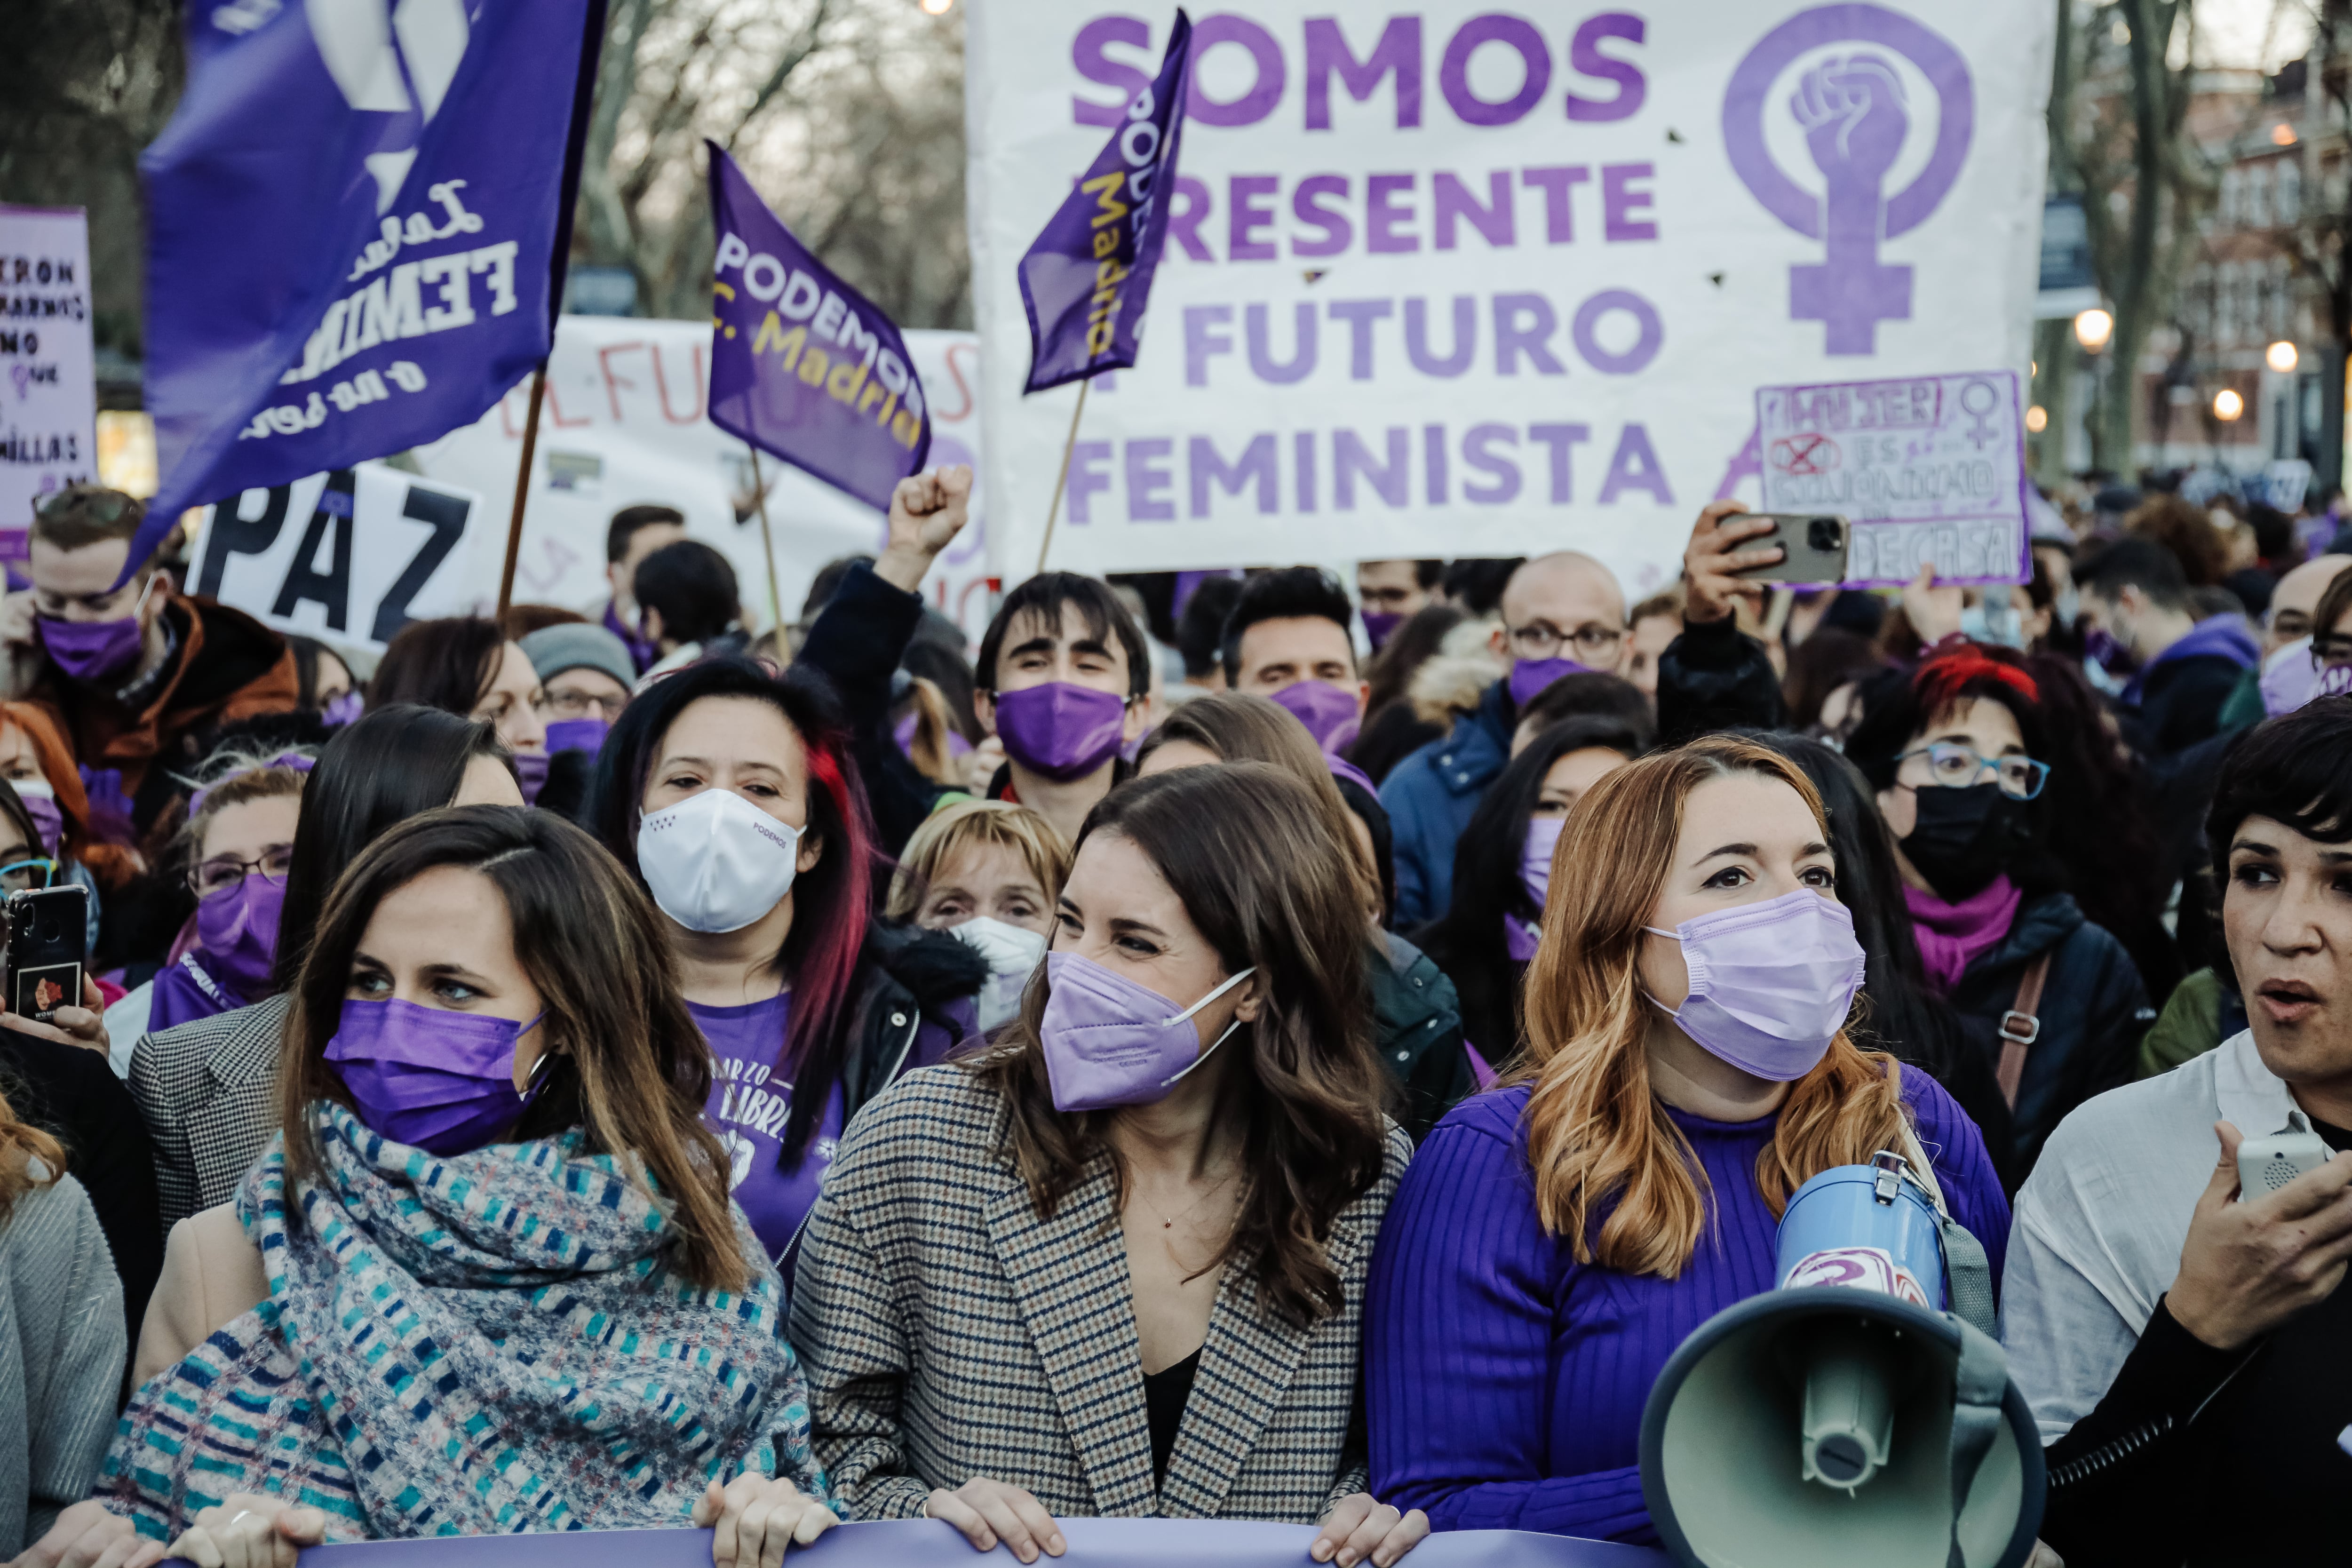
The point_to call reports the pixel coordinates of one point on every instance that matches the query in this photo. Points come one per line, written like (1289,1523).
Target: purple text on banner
(801,364)
(927,1543)
(357,233)
(1086,279)
(1928,469)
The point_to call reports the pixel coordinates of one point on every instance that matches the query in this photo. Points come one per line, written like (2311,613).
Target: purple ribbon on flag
(1086,279)
(801,364)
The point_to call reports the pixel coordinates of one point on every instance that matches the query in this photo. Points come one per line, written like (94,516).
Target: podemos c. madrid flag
(801,364)
(358,220)
(1086,279)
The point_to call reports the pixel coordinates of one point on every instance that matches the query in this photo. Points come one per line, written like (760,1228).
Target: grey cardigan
(61,1349)
(208,1093)
(948,1331)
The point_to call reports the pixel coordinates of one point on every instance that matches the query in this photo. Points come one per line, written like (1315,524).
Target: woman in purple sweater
(1687,1069)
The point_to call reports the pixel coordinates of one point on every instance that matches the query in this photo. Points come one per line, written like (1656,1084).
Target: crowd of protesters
(1233,1045)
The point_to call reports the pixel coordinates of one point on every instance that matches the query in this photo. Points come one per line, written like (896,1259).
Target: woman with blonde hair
(1687,1069)
(986,872)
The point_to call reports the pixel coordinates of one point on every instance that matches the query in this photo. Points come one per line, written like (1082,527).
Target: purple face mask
(1771,984)
(236,934)
(531,773)
(343,708)
(1381,625)
(1535,859)
(1329,712)
(1530,676)
(641,653)
(1059,729)
(94,650)
(577,735)
(1111,1042)
(435,1080)
(48,821)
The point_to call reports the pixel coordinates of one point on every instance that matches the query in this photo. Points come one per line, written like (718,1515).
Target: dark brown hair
(630,1068)
(1247,850)
(447,664)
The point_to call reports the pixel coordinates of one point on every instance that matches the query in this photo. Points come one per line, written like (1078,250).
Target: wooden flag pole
(767,542)
(1054,512)
(522,489)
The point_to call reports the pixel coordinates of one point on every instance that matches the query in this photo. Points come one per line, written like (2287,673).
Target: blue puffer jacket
(1430,795)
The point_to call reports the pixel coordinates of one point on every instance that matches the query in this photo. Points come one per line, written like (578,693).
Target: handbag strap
(2020,1027)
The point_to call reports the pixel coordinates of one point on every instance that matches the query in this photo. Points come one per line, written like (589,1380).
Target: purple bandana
(1060,730)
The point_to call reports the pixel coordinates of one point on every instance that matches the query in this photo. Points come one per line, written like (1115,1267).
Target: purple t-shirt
(749,1109)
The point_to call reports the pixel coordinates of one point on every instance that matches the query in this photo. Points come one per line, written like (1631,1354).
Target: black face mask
(1963,839)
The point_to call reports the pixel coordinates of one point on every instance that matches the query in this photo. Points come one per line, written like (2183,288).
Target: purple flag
(360,216)
(1085,280)
(801,364)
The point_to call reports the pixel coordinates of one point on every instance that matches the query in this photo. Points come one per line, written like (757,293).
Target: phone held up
(1813,546)
(48,936)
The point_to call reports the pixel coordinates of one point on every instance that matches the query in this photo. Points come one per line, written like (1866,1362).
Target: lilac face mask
(577,735)
(531,773)
(1111,1042)
(2288,678)
(1771,984)
(1530,676)
(1326,710)
(1381,625)
(435,1080)
(41,804)
(1535,859)
(236,934)
(94,650)
(1060,730)
(343,708)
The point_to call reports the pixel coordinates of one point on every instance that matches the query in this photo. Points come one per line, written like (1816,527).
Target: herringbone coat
(208,1092)
(947,1332)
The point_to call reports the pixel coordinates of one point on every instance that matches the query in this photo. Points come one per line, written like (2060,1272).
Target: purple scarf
(1951,935)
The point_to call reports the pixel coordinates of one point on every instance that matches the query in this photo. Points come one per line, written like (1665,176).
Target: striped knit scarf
(490,1343)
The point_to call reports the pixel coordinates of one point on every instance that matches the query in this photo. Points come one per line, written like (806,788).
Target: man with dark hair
(635,533)
(1062,676)
(1288,639)
(690,603)
(1475,585)
(2135,592)
(1394,592)
(1201,631)
(135,673)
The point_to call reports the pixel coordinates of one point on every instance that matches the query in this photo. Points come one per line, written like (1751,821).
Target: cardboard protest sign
(1445,280)
(49,390)
(1929,471)
(348,557)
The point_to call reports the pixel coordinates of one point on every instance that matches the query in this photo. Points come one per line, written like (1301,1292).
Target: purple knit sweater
(1505,1380)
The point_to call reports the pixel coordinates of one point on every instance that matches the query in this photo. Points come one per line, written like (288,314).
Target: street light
(2280,357)
(2037,419)
(2093,327)
(938,7)
(2228,405)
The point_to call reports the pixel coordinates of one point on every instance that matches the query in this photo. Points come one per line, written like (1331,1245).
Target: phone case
(49,935)
(1814,546)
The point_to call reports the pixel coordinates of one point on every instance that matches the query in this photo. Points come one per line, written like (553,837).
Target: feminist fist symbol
(1852,112)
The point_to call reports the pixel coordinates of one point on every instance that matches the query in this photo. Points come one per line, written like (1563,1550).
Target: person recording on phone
(2186,1339)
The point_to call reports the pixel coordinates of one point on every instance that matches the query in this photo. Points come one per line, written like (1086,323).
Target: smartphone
(48,939)
(1814,547)
(2266,1164)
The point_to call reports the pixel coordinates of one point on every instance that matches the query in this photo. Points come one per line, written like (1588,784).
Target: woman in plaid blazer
(1073,1276)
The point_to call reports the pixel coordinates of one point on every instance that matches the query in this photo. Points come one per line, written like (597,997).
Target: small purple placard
(1929,469)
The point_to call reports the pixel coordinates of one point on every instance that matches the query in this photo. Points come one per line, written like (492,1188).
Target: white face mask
(715,862)
(1013,953)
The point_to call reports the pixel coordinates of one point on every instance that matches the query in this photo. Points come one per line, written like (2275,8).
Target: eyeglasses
(582,705)
(2335,649)
(102,505)
(1951,765)
(221,873)
(1595,644)
(25,876)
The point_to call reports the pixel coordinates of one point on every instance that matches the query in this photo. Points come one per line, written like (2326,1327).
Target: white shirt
(2099,1225)
(126,1022)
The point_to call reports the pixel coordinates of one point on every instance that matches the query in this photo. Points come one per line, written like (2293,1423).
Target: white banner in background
(49,387)
(626,422)
(1450,280)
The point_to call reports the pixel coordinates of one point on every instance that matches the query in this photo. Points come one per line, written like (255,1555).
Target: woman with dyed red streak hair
(729,789)
(1956,750)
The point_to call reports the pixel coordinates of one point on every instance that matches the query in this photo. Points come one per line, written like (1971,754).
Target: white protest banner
(1930,469)
(628,421)
(348,557)
(1449,280)
(48,388)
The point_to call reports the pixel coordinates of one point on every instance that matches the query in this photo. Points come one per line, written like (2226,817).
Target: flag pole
(767,543)
(523,487)
(1062,481)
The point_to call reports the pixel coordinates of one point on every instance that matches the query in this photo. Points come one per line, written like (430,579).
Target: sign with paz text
(1446,280)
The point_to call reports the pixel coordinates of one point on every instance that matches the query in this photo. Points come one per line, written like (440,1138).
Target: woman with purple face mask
(1140,1218)
(493,1223)
(1686,1068)
(467,666)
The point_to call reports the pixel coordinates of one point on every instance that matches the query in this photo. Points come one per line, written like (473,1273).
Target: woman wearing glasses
(232,855)
(2052,1000)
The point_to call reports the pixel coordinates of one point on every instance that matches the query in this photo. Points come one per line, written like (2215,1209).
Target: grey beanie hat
(579,645)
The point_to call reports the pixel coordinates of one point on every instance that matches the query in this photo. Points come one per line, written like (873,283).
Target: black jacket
(1714,676)
(1417,1026)
(858,639)
(2180,704)
(902,1012)
(2094,1011)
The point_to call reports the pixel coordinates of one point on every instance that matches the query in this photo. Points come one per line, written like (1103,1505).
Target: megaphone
(1846,1416)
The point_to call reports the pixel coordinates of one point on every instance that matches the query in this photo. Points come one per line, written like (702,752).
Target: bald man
(1562,614)
(2288,620)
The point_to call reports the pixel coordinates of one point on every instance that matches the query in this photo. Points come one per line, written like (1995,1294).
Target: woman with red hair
(2054,1002)
(729,789)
